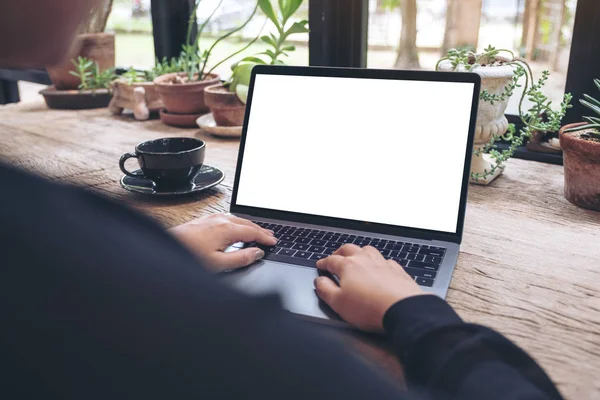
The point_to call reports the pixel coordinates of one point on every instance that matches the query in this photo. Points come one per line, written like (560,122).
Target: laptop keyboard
(303,246)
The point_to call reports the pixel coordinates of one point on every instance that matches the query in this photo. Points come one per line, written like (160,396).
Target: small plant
(280,17)
(593,123)
(134,76)
(539,118)
(90,75)
(192,60)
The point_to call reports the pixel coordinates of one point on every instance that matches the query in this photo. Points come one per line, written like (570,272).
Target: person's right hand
(369,285)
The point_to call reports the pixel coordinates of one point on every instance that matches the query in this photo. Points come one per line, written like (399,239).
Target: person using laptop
(100,302)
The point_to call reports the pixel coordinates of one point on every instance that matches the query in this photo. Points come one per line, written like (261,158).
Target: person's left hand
(208,237)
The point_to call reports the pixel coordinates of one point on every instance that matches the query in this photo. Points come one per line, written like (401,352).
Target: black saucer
(208,177)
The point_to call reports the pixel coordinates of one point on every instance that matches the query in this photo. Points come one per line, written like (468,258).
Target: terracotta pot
(75,99)
(582,168)
(99,47)
(184,98)
(539,144)
(140,97)
(226,107)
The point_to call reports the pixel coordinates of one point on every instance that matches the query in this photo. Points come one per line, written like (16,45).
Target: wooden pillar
(531,21)
(556,45)
(463,20)
(408,53)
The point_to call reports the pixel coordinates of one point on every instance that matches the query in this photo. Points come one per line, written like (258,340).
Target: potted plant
(500,76)
(544,142)
(581,154)
(92,44)
(183,92)
(93,87)
(135,91)
(227,101)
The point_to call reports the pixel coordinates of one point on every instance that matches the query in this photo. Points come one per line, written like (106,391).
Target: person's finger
(242,221)
(372,251)
(327,290)
(239,258)
(393,264)
(347,250)
(242,233)
(334,264)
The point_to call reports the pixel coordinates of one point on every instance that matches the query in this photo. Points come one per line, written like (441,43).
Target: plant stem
(191,22)
(201,29)
(201,74)
(437,66)
(239,51)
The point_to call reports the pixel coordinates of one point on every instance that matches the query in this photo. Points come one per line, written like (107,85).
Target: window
(131,22)
(413,34)
(170,30)
(231,14)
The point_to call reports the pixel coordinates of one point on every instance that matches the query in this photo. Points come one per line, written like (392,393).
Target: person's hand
(369,285)
(208,237)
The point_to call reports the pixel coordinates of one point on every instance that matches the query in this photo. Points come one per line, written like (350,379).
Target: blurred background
(406,34)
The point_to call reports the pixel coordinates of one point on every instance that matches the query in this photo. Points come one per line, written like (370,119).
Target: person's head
(36,33)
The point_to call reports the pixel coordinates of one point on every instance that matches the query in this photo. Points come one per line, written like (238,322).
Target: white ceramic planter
(490,117)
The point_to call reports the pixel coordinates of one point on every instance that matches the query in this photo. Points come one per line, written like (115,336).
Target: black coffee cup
(168,161)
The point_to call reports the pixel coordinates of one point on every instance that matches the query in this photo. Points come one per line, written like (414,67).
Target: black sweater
(98,302)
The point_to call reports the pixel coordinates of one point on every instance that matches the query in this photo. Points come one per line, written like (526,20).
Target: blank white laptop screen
(374,150)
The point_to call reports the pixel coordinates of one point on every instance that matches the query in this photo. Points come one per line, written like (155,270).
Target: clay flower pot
(581,159)
(539,144)
(226,107)
(99,47)
(140,97)
(184,98)
(490,117)
(75,99)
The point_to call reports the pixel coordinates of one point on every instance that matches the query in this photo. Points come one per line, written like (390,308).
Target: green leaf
(390,4)
(292,7)
(241,76)
(267,8)
(269,40)
(269,53)
(283,5)
(592,120)
(252,59)
(579,128)
(592,100)
(242,92)
(288,48)
(297,27)
(591,106)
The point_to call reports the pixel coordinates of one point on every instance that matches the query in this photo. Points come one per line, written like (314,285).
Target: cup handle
(124,158)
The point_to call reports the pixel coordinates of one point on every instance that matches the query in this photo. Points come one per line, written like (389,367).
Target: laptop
(330,156)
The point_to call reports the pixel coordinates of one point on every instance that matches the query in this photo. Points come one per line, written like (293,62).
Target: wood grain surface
(530,260)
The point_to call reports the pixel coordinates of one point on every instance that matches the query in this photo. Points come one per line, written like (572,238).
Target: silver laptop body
(382,195)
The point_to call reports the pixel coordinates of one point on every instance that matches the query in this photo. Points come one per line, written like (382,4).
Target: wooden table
(529,266)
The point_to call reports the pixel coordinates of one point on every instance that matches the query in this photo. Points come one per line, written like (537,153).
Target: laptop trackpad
(294,285)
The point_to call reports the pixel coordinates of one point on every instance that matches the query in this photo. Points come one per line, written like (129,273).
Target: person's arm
(444,357)
(98,302)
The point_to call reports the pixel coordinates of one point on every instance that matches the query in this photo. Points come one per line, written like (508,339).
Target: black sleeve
(445,358)
(98,302)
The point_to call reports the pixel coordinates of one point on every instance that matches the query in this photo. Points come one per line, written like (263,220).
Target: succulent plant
(593,123)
